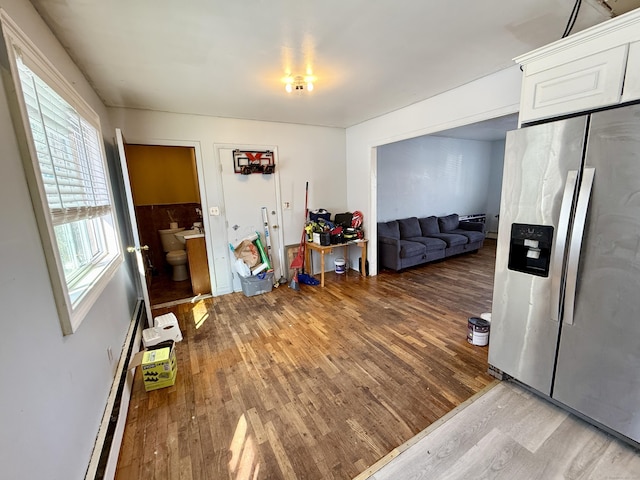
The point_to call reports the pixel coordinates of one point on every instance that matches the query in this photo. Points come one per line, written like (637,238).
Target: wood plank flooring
(510,433)
(316,384)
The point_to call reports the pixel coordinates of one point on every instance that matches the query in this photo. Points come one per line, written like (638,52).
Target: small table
(322,250)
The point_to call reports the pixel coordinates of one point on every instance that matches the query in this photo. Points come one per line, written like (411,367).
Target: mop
(298,261)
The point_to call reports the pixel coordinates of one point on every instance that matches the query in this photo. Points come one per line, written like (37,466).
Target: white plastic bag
(242,268)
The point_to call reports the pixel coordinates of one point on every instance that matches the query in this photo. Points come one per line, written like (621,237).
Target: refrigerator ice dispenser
(530,249)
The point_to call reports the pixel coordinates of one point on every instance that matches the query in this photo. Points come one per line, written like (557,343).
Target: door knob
(274,226)
(133,249)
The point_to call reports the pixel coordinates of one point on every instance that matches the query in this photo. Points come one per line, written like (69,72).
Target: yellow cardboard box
(158,365)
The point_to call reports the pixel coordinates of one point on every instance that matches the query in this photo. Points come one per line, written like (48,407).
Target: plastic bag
(242,268)
(247,252)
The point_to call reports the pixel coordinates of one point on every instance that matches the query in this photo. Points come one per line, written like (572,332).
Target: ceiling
(228,58)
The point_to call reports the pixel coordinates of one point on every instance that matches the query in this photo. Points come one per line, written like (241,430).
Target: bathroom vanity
(198,265)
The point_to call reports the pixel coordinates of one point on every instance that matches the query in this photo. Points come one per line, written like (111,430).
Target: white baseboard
(106,450)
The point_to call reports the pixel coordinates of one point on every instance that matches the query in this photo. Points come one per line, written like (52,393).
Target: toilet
(176,255)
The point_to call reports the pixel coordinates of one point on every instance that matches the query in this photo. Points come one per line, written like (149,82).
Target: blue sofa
(413,241)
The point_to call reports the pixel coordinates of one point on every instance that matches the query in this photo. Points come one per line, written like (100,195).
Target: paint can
(340,265)
(478,331)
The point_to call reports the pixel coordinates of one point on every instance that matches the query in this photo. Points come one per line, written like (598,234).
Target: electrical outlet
(286,205)
(214,211)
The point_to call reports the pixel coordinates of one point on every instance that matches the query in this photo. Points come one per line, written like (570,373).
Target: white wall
(305,153)
(54,388)
(432,175)
(495,186)
(488,97)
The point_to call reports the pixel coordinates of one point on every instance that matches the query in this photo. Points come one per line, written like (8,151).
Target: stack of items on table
(158,359)
(253,266)
(345,227)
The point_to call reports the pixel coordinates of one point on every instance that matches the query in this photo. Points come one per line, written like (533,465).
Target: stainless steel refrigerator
(566,302)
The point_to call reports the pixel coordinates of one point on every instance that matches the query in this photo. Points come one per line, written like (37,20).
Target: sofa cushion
(430,243)
(389,229)
(411,249)
(409,227)
(451,239)
(448,223)
(429,225)
(470,234)
(471,226)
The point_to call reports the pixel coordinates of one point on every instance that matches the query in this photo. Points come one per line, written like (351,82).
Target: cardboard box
(158,364)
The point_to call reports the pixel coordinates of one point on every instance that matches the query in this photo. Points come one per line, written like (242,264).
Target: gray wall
(495,185)
(432,175)
(54,388)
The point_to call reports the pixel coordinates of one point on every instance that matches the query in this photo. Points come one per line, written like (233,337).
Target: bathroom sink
(184,234)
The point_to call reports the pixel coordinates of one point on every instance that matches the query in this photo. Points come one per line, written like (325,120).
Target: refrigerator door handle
(557,263)
(575,247)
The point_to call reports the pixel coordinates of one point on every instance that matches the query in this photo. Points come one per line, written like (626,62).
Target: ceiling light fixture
(299,83)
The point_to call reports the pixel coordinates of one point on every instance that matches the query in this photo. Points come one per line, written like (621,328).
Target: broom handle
(306,202)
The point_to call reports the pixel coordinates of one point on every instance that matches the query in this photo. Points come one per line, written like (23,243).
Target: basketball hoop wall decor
(248,162)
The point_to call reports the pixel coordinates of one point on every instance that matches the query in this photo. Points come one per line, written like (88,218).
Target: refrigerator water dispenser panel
(530,249)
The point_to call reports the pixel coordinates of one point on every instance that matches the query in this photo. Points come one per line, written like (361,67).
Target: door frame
(276,176)
(201,186)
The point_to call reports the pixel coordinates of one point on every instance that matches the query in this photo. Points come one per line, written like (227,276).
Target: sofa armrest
(389,252)
(393,243)
(472,226)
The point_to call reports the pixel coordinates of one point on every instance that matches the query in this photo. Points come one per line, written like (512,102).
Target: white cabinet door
(590,82)
(632,78)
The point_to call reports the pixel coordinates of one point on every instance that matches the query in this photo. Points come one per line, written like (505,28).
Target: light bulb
(288,88)
(309,86)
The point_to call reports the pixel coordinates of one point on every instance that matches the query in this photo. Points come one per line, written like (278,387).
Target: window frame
(16,43)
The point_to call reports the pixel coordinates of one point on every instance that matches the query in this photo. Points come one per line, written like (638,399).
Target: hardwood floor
(316,384)
(510,433)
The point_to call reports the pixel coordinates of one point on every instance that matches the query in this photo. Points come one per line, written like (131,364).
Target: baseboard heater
(107,447)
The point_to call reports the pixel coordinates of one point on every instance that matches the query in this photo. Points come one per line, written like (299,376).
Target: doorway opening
(166,198)
(458,170)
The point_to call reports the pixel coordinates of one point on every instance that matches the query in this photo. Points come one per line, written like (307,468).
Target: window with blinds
(69,153)
(69,179)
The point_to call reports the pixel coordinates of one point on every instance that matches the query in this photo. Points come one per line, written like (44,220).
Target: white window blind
(69,153)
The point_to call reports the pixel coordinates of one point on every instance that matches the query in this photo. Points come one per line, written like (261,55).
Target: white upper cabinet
(589,82)
(594,68)
(632,79)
